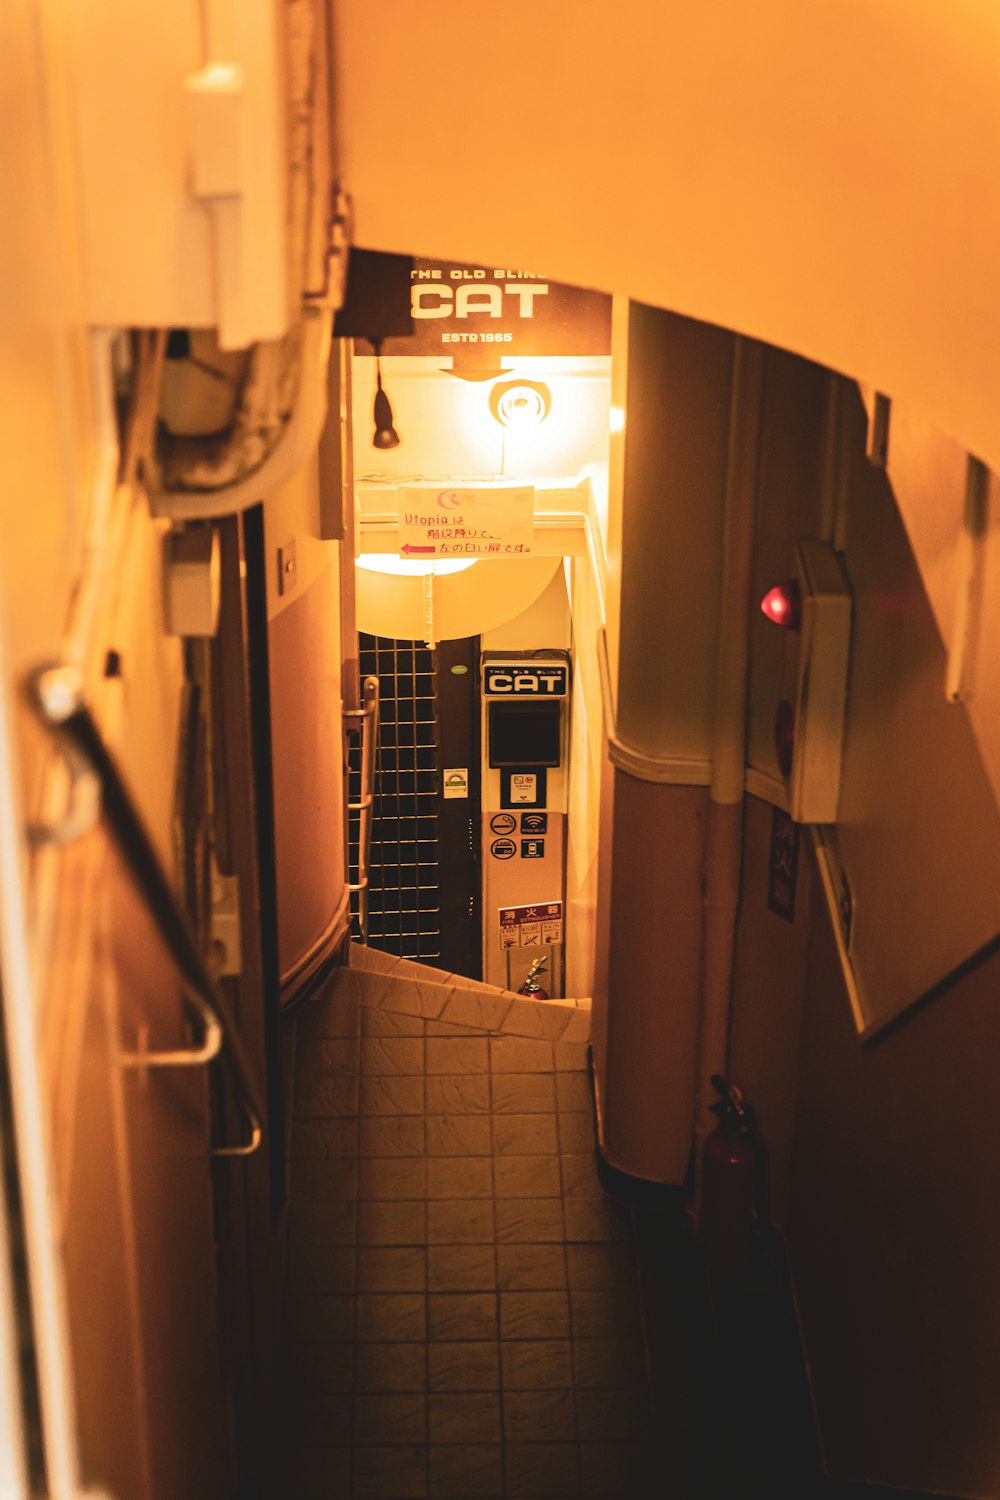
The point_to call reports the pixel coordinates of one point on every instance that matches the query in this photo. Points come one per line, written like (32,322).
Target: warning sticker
(455,783)
(531,926)
(523,787)
(503,823)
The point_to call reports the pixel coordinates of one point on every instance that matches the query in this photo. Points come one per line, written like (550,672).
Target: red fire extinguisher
(731,1175)
(529,987)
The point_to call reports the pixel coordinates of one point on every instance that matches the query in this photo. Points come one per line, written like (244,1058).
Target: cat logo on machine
(503,848)
(511,680)
(504,823)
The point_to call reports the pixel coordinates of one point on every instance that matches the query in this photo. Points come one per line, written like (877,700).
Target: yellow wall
(820,176)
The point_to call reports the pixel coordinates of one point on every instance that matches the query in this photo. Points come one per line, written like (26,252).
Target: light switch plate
(287,568)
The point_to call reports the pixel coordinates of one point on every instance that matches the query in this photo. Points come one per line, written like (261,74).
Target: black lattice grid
(403,879)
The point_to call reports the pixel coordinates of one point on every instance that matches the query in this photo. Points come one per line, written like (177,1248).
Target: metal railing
(56,695)
(365,719)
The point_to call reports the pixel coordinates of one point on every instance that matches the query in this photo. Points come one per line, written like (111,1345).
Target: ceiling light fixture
(520,404)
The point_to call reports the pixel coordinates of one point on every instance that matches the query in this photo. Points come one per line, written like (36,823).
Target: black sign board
(509,680)
(534,823)
(783,865)
(478,314)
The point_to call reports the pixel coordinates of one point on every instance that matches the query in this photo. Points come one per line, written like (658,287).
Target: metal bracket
(227,937)
(184,1057)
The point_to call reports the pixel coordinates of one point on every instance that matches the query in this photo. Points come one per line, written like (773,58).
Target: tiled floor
(461,1314)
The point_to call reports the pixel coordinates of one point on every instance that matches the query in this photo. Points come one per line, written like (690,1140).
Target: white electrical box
(816,682)
(192,578)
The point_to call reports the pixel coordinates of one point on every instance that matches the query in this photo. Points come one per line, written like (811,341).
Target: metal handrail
(55,693)
(367,718)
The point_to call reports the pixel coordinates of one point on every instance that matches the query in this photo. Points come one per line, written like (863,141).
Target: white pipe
(32,1145)
(100,531)
(724,830)
(294,448)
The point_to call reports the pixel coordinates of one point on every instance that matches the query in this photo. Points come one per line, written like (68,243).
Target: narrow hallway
(461,1312)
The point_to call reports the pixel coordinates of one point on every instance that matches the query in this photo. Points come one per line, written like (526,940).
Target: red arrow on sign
(406,547)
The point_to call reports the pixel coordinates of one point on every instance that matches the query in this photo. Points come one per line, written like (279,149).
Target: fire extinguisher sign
(531,926)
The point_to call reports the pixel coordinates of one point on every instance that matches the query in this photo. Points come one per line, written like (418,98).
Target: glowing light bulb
(520,404)
(616,419)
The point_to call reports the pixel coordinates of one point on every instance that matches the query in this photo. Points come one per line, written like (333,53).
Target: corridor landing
(461,1312)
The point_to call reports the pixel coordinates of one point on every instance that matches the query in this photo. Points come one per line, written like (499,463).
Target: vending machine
(525,782)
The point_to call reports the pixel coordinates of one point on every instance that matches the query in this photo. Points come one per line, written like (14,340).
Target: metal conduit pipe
(724,825)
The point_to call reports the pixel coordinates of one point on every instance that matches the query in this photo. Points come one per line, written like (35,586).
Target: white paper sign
(466,521)
(455,783)
(531,926)
(523,786)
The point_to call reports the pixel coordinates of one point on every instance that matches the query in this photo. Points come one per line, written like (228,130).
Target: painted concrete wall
(676,447)
(881,1153)
(664,570)
(895,1234)
(821,177)
(304,659)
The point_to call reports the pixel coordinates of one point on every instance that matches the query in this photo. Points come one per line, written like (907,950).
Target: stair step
(408,988)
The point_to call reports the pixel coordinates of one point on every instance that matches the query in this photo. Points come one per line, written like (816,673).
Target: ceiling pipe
(724,826)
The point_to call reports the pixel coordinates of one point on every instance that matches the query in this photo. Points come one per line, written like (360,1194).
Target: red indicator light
(784,736)
(783,605)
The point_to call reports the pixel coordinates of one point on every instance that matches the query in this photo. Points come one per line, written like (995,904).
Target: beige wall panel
(292,514)
(676,446)
(545,623)
(96,1213)
(768,995)
(895,1233)
(927,472)
(588,752)
(789,490)
(166,1144)
(306,742)
(654,968)
(919,833)
(603,927)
